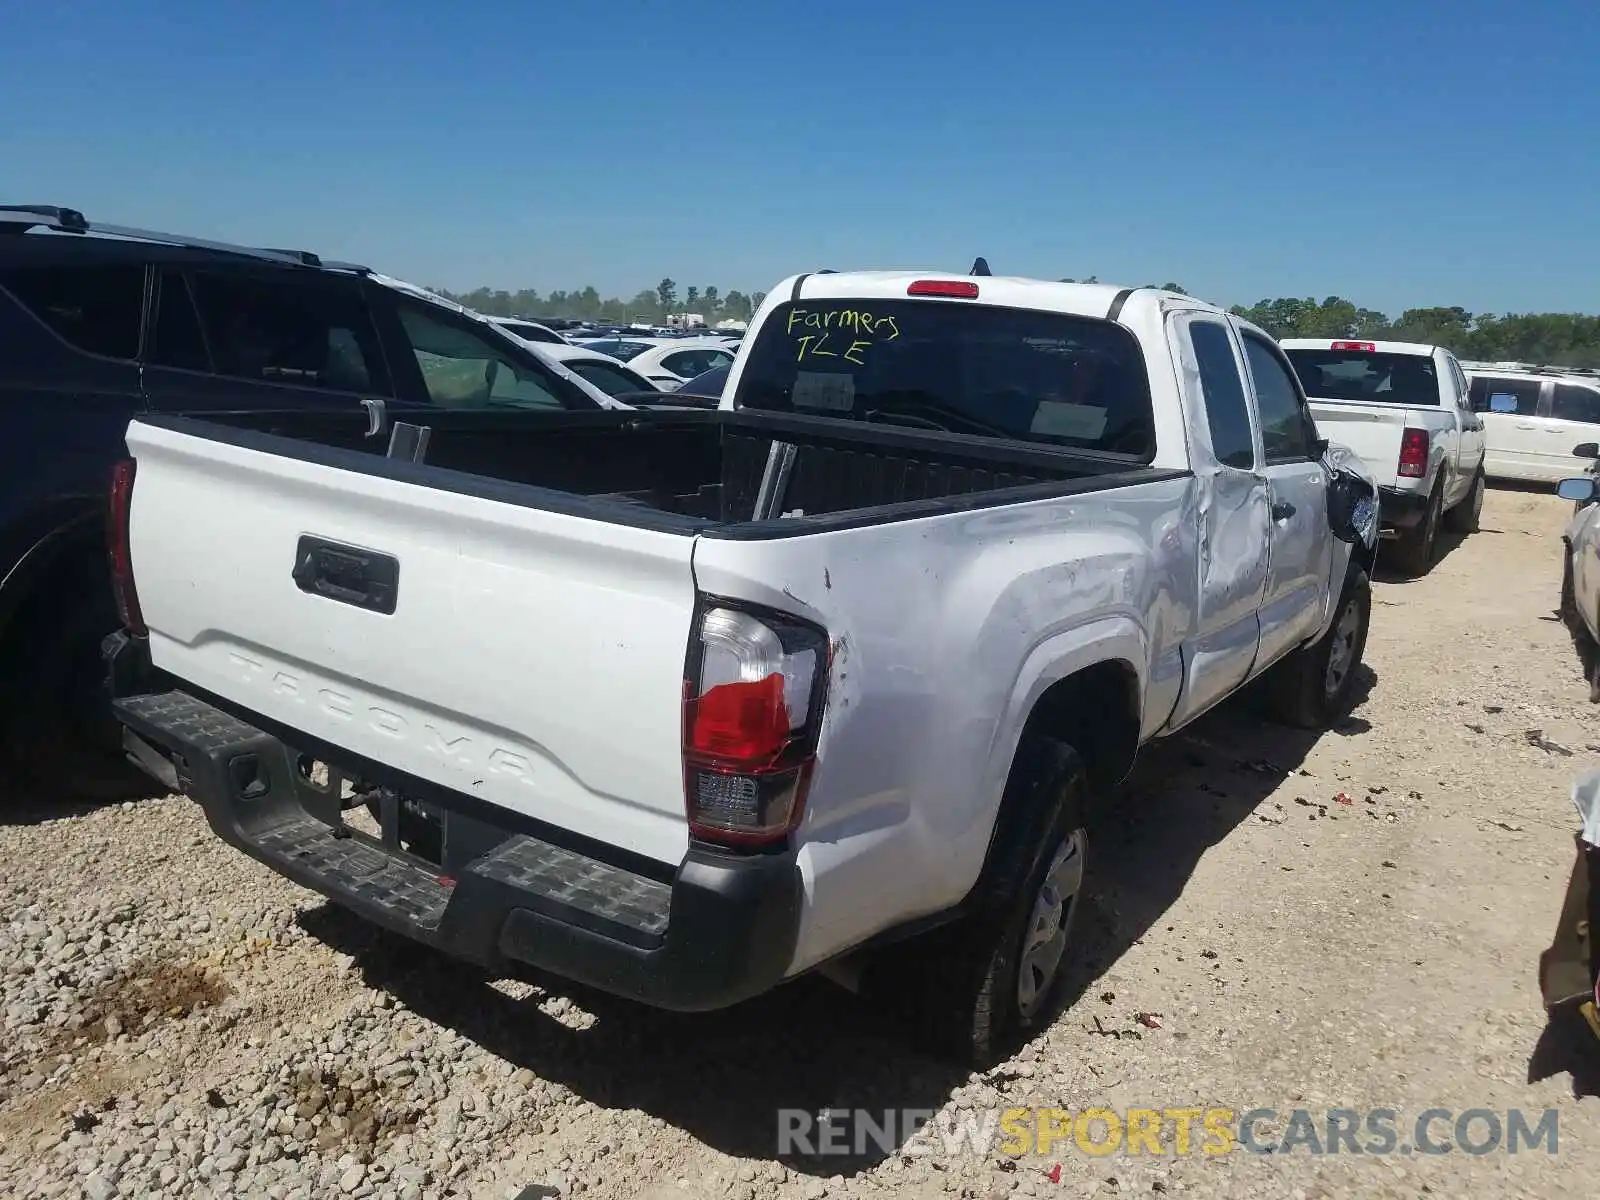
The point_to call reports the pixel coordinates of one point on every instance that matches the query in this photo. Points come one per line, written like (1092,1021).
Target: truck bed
(687,471)
(509,618)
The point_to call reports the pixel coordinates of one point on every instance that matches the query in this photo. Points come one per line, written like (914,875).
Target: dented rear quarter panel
(944,632)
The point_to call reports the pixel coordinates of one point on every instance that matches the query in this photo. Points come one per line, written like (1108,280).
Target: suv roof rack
(19,218)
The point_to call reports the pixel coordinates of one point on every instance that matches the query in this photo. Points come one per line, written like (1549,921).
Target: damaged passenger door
(1299,544)
(1233,513)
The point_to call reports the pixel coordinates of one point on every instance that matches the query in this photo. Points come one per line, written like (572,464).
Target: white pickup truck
(684,703)
(1404,408)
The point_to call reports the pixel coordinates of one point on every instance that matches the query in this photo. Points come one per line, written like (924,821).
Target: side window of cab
(1233,441)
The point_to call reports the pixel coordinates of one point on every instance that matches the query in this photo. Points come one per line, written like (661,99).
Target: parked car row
(1434,430)
(668,363)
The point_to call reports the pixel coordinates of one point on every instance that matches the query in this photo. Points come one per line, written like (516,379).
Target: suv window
(1227,411)
(175,337)
(1519,397)
(1574,403)
(1372,377)
(1286,424)
(300,332)
(96,309)
(962,368)
(462,368)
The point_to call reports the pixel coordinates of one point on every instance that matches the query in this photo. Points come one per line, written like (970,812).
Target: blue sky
(1399,154)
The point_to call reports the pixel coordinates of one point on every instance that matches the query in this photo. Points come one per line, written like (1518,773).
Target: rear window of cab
(956,367)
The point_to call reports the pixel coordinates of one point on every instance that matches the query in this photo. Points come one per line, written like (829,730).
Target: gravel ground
(1280,921)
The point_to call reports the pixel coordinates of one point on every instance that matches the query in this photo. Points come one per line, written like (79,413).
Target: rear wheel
(62,739)
(1464,517)
(1315,685)
(968,989)
(1414,548)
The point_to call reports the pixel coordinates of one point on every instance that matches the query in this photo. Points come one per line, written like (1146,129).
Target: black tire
(1302,690)
(957,989)
(1569,602)
(62,740)
(1464,517)
(1415,548)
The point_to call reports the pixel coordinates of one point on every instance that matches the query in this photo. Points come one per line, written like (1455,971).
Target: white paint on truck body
(537,658)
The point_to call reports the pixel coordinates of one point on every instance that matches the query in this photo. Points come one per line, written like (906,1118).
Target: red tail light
(954,289)
(1369,347)
(121,550)
(1413,454)
(752,712)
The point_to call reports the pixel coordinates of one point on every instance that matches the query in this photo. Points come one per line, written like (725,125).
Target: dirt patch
(146,993)
(348,1112)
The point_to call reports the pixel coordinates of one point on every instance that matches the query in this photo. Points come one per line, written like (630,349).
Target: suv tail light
(1368,347)
(753,698)
(1413,454)
(120,548)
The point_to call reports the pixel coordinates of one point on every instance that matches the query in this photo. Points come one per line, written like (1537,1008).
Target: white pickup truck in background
(1404,408)
(684,703)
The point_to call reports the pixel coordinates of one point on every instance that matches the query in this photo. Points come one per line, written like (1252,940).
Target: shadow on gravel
(22,804)
(1446,544)
(722,1077)
(1186,795)
(1567,1046)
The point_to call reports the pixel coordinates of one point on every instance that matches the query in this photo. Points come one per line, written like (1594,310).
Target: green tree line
(1560,339)
(1553,339)
(650,306)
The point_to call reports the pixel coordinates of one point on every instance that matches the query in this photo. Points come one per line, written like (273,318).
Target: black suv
(100,323)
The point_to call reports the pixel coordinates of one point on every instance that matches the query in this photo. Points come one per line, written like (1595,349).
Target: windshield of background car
(1369,376)
(530,333)
(958,367)
(622,351)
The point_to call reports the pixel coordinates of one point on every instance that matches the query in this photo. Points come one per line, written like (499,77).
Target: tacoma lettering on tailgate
(460,750)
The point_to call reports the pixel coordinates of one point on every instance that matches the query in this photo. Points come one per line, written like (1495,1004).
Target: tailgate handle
(347,574)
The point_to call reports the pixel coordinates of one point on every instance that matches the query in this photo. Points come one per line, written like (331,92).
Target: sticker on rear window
(1083,422)
(1503,402)
(831,391)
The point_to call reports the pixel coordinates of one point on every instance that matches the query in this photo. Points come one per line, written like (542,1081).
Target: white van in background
(1533,417)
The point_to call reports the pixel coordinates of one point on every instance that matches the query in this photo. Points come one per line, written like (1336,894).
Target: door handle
(347,574)
(1282,510)
(377,412)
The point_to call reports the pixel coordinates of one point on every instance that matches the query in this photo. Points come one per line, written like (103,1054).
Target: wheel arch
(1095,708)
(39,546)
